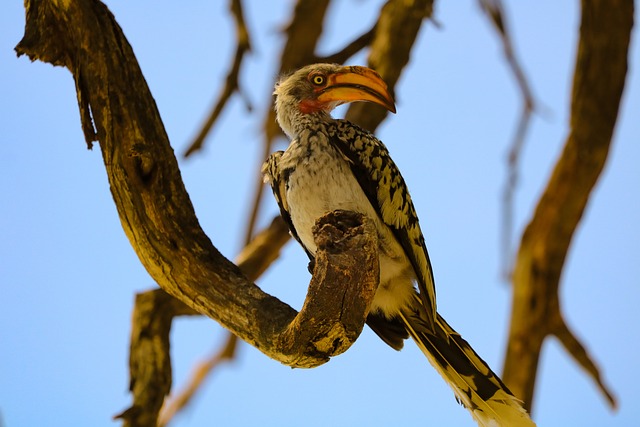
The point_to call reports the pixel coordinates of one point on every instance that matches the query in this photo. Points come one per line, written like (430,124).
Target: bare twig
(350,49)
(395,34)
(200,373)
(302,35)
(231,86)
(580,355)
(258,188)
(598,83)
(495,11)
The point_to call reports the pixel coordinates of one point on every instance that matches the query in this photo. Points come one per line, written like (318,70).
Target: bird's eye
(317,79)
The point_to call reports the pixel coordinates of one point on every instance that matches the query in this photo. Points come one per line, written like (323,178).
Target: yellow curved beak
(354,83)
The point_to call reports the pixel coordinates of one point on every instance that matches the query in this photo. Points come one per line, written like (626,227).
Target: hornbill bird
(333,164)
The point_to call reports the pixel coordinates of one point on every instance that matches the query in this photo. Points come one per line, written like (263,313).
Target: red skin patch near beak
(309,106)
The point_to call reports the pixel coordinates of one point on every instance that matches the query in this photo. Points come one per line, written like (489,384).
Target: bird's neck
(293,121)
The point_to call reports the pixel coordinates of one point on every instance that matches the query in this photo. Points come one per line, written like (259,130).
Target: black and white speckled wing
(277,179)
(385,188)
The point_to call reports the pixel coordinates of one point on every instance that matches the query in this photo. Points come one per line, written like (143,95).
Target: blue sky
(69,275)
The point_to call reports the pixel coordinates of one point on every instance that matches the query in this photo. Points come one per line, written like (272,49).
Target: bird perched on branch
(333,164)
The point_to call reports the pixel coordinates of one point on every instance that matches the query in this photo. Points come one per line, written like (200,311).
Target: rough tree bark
(117,110)
(599,79)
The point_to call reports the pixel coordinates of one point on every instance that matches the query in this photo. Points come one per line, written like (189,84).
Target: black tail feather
(475,385)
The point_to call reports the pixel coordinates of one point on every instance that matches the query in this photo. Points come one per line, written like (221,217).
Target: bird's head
(317,89)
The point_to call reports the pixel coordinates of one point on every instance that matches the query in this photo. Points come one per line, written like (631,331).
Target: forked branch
(598,83)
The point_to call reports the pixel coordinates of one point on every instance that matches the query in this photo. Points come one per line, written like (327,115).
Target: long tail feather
(475,385)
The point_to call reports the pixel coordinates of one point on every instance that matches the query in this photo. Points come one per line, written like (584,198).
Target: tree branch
(350,49)
(599,79)
(580,355)
(396,32)
(302,35)
(150,372)
(200,373)
(495,11)
(231,86)
(158,217)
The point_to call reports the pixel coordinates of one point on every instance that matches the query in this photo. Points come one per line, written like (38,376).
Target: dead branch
(396,32)
(495,12)
(599,79)
(158,217)
(200,373)
(149,358)
(243,45)
(350,49)
(302,35)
